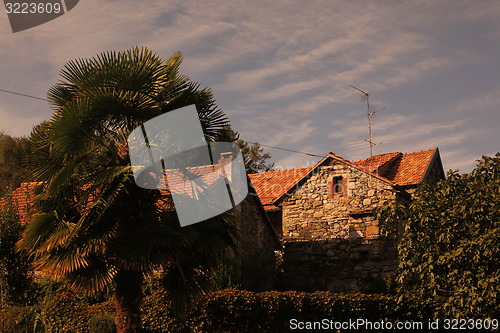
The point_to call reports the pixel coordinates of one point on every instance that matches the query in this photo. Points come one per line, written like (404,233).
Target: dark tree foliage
(256,160)
(16,283)
(451,244)
(13,166)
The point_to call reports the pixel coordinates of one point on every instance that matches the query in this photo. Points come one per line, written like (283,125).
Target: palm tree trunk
(128,298)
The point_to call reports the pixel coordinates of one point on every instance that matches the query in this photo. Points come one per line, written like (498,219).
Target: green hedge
(242,311)
(228,310)
(64,312)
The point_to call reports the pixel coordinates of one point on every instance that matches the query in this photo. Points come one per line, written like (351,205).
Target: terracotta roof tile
(178,183)
(410,169)
(396,168)
(22,200)
(402,169)
(271,185)
(23,196)
(375,162)
(362,168)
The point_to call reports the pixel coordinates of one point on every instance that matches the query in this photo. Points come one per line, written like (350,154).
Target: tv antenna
(370,114)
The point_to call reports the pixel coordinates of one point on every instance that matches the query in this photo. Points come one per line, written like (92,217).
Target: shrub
(102,323)
(21,319)
(16,285)
(242,311)
(227,310)
(451,242)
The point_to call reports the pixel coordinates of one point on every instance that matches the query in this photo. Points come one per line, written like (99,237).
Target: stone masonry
(331,239)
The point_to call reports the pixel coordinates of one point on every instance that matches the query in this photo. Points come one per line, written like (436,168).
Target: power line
(16,93)
(274,147)
(285,149)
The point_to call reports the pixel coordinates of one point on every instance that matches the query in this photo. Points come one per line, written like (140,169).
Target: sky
(282,70)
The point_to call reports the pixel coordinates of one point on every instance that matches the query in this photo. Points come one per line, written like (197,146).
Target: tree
(13,167)
(253,154)
(451,243)
(95,229)
(16,282)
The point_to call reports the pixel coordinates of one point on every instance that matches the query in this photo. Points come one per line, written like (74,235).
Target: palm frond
(211,117)
(186,282)
(92,220)
(37,231)
(94,278)
(60,261)
(60,95)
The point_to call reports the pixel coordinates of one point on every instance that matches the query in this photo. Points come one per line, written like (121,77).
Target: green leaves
(15,272)
(13,167)
(451,246)
(37,231)
(254,157)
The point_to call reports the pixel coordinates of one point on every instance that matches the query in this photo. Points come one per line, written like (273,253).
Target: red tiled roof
(23,197)
(402,169)
(22,200)
(272,185)
(394,168)
(365,168)
(410,169)
(178,183)
(375,162)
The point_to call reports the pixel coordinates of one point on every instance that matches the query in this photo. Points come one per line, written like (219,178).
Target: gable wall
(311,214)
(333,243)
(435,173)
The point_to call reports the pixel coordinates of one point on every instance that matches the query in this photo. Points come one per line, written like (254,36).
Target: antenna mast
(370,115)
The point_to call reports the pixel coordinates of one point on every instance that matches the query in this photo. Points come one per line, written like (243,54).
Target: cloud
(490,99)
(281,70)
(15,123)
(406,133)
(277,131)
(297,160)
(463,160)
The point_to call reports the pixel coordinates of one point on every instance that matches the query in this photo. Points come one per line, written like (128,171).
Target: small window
(338,186)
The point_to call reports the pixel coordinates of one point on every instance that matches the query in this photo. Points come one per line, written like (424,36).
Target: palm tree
(94,228)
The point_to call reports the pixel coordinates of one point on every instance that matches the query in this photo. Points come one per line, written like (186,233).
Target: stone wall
(255,266)
(331,240)
(339,265)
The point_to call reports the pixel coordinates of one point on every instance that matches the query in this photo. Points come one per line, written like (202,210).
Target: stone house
(324,215)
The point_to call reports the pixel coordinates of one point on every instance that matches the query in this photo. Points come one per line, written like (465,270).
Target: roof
(403,169)
(23,197)
(411,168)
(182,182)
(22,200)
(373,163)
(363,167)
(272,185)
